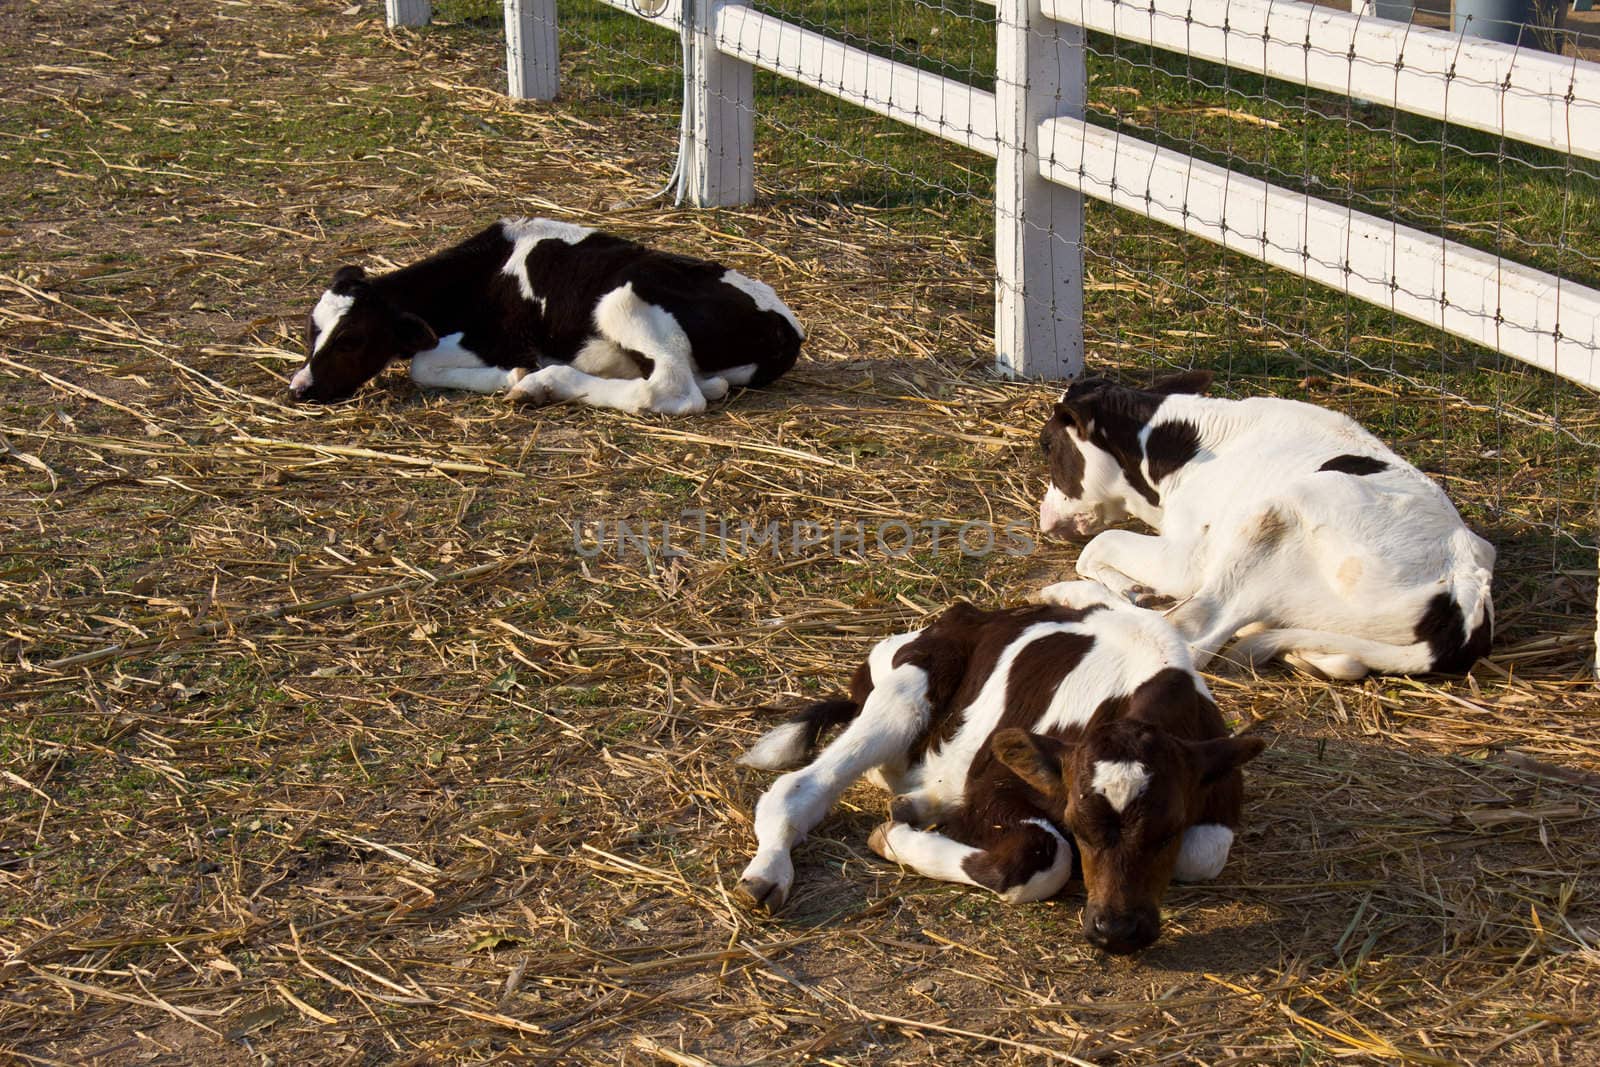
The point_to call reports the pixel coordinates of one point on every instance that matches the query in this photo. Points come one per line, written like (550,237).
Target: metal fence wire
(1252,201)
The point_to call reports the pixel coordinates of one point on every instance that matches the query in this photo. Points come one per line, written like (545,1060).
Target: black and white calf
(552,311)
(1279,519)
(1012,732)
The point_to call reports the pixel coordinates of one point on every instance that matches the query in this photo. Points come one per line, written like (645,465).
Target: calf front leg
(635,325)
(1023,862)
(1130,564)
(449,366)
(1203,853)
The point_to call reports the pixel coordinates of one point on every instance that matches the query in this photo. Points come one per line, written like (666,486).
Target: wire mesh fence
(1515,446)
(888,167)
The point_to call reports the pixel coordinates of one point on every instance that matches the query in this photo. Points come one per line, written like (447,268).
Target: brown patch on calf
(1022,852)
(960,650)
(1062,455)
(1270,528)
(1349,573)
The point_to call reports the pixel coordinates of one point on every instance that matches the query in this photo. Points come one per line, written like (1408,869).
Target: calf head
(351,335)
(1127,791)
(1091,444)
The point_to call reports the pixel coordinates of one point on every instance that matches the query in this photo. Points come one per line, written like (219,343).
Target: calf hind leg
(1342,656)
(891,719)
(1131,564)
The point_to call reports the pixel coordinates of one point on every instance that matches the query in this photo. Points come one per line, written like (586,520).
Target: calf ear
(1035,758)
(413,335)
(347,278)
(1190,381)
(1073,414)
(1217,758)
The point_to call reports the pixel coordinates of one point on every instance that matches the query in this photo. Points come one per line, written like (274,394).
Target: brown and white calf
(552,311)
(1273,517)
(1002,735)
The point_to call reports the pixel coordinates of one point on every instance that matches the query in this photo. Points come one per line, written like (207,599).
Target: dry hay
(323,743)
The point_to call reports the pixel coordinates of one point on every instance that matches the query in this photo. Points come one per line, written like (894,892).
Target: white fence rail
(1046,155)
(1528,96)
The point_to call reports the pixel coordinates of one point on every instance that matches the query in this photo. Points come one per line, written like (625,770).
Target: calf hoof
(765,883)
(904,808)
(1078,593)
(761,894)
(1059,594)
(534,393)
(1332,666)
(1150,599)
(878,840)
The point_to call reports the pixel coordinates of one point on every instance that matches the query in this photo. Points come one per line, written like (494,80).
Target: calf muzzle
(1121,932)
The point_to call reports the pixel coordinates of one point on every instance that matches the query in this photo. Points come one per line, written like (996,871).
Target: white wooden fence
(1047,157)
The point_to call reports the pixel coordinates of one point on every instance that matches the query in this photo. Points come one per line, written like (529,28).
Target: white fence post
(1038,241)
(533,50)
(408,12)
(719,156)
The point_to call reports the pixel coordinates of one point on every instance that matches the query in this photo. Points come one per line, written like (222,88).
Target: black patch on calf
(1115,415)
(1443,627)
(346,279)
(1170,446)
(1352,464)
(724,326)
(1063,457)
(1189,381)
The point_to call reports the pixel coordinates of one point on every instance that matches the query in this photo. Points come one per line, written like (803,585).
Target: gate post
(407,12)
(1038,240)
(533,50)
(719,156)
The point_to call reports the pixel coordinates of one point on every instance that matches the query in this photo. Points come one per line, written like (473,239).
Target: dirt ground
(323,742)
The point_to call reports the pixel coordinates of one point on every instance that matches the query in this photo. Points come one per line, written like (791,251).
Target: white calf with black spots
(1279,523)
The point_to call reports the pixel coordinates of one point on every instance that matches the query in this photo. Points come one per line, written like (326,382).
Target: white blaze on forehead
(764,298)
(326,315)
(524,234)
(1119,781)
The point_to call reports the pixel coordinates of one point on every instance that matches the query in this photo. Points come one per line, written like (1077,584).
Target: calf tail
(795,741)
(1473,600)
